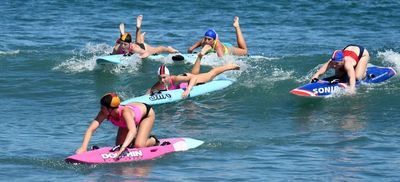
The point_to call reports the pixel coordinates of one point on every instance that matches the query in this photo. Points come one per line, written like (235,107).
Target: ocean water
(253,130)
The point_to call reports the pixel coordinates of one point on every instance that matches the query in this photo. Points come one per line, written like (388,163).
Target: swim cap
(162,70)
(110,100)
(211,33)
(337,56)
(126,37)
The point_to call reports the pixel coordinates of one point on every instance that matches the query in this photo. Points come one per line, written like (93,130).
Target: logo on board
(160,97)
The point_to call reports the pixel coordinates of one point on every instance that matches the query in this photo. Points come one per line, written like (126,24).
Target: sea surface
(254,130)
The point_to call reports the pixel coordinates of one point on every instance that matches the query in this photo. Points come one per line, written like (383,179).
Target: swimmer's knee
(140,144)
(360,77)
(245,51)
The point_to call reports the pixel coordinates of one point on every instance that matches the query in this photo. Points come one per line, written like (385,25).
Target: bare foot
(122,28)
(233,66)
(144,55)
(139,21)
(172,50)
(236,22)
(205,49)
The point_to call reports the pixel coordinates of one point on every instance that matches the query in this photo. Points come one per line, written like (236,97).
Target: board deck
(104,155)
(323,88)
(162,97)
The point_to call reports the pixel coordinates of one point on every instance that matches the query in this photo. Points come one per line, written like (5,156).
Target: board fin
(178,57)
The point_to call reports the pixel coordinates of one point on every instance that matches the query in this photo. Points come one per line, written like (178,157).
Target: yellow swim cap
(110,100)
(126,37)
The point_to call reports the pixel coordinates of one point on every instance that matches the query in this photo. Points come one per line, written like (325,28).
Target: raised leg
(122,28)
(196,66)
(242,47)
(139,35)
(205,77)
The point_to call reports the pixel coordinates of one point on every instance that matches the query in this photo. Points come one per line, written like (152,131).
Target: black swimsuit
(141,45)
(148,107)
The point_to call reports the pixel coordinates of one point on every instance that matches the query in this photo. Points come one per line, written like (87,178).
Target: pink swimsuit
(121,50)
(121,122)
(172,85)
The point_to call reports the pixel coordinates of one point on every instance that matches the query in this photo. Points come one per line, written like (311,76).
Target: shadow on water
(345,112)
(123,171)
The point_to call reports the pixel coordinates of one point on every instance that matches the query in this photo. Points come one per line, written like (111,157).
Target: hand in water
(185,94)
(351,91)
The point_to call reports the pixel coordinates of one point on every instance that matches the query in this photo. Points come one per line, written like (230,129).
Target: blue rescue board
(120,58)
(323,88)
(176,58)
(162,97)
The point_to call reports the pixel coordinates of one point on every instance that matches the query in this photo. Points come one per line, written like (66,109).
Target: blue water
(253,130)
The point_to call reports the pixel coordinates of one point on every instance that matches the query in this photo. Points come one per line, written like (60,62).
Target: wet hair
(110,100)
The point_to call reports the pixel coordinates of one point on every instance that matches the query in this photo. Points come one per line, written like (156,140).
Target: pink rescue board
(104,156)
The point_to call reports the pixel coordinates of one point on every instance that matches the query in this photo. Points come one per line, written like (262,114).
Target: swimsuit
(137,118)
(172,86)
(122,51)
(225,45)
(352,54)
(141,45)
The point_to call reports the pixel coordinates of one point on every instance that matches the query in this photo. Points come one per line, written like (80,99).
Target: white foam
(261,76)
(391,57)
(85,60)
(9,52)
(338,93)
(77,64)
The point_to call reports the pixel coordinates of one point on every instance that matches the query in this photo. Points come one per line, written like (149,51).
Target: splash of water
(85,60)
(263,72)
(391,57)
(9,52)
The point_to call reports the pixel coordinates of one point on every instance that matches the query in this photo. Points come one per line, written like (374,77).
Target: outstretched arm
(89,132)
(351,74)
(192,82)
(321,70)
(195,45)
(130,123)
(156,86)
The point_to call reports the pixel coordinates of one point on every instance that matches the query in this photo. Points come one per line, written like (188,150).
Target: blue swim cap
(211,33)
(337,56)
